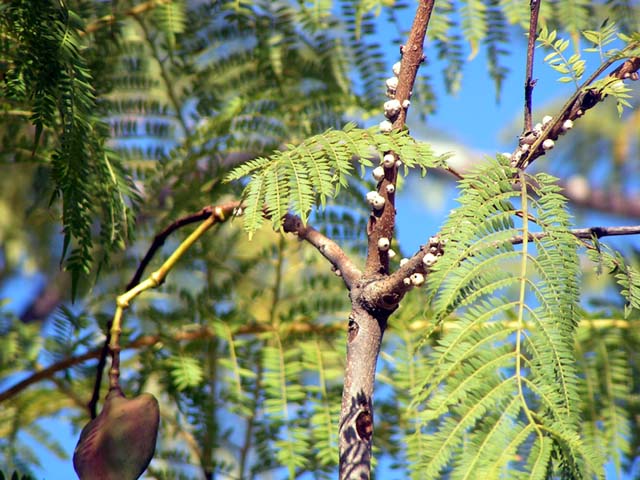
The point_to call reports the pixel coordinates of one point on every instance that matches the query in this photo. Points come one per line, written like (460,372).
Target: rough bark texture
(373,297)
(356,419)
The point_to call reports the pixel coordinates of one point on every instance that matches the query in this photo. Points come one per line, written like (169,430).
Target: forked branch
(535,143)
(342,264)
(371,300)
(211,215)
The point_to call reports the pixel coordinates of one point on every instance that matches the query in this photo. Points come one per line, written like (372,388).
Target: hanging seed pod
(119,443)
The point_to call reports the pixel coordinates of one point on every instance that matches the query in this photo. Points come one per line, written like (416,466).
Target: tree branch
(582,195)
(533,144)
(382,222)
(299,328)
(586,233)
(111,19)
(529,82)
(370,304)
(223,211)
(342,264)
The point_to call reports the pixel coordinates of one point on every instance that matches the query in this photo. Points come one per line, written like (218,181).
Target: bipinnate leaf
(119,443)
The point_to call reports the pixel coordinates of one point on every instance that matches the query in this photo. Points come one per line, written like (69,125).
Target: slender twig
(111,19)
(531,143)
(585,233)
(160,238)
(223,211)
(529,82)
(342,264)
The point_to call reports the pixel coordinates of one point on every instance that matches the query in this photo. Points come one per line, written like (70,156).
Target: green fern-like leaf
(503,393)
(185,371)
(302,176)
(325,405)
(283,390)
(576,15)
(605,391)
(626,275)
(474,23)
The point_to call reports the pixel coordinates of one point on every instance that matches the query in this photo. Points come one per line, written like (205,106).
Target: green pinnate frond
(325,400)
(600,38)
(311,173)
(171,18)
(605,391)
(283,394)
(50,73)
(516,12)
(626,275)
(503,378)
(570,65)
(186,372)
(495,41)
(576,15)
(474,23)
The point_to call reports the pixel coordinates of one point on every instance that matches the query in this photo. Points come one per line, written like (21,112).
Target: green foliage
(502,390)
(606,393)
(626,275)
(244,343)
(573,66)
(15,476)
(315,171)
(48,73)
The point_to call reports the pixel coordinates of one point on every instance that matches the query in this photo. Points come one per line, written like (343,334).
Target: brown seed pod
(119,443)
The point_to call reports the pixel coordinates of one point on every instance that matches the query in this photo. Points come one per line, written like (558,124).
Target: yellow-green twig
(219,214)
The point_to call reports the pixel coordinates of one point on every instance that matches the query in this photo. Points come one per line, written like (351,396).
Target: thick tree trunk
(356,419)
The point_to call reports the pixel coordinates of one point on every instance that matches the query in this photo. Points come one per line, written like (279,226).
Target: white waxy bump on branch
(417,279)
(396,68)
(403,261)
(388,160)
(406,281)
(567,125)
(537,129)
(378,173)
(546,120)
(398,163)
(392,253)
(391,108)
(548,144)
(371,195)
(392,84)
(405,103)
(429,259)
(384,244)
(390,188)
(377,201)
(385,126)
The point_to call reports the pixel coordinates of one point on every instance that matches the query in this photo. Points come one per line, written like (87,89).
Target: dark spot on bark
(364,425)
(353,330)
(390,300)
